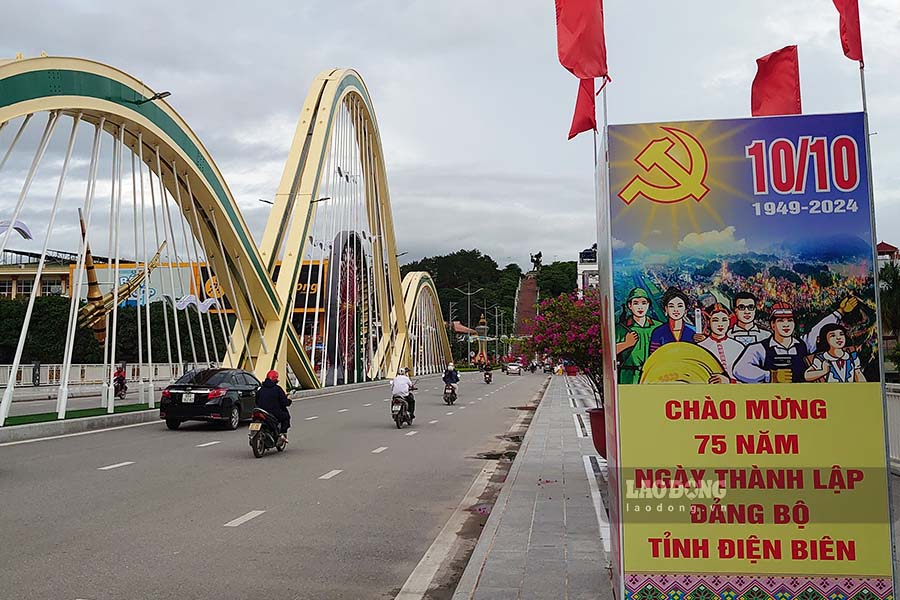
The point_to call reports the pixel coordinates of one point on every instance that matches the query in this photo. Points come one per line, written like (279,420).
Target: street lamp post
(468,295)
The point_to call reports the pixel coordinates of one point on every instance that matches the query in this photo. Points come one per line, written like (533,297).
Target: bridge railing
(87,374)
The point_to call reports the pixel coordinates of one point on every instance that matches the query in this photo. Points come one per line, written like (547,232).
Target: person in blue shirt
(675,329)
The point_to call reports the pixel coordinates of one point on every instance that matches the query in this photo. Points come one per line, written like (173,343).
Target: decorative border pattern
(666,586)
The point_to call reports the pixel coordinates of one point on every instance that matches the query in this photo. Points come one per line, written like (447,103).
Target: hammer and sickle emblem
(687,181)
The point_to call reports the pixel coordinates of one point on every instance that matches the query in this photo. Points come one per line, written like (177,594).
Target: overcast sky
(472,103)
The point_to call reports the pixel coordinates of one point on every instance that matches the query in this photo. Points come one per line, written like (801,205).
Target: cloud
(712,242)
(472,104)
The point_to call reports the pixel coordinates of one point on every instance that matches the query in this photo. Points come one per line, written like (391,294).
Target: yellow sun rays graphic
(660,222)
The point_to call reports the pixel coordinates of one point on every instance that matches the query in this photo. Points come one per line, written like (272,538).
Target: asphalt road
(350,507)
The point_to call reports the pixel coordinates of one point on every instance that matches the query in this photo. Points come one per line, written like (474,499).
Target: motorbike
(449,394)
(265,433)
(120,389)
(400,411)
(487,377)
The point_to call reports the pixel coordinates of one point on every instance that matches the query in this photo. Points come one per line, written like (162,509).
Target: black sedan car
(225,396)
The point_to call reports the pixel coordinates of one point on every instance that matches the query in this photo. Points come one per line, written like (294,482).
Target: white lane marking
(379,450)
(68,435)
(602,519)
(369,404)
(331,474)
(420,580)
(208,444)
(450,413)
(412,433)
(244,518)
(310,418)
(387,399)
(432,422)
(462,408)
(471,403)
(115,466)
(344,410)
(482,398)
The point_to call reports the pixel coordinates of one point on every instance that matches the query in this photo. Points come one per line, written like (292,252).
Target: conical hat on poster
(680,362)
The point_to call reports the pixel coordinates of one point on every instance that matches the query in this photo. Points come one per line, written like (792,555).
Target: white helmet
(450,366)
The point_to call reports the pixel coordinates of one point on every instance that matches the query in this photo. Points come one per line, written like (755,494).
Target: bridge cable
(167,214)
(8,392)
(52,120)
(15,139)
(159,182)
(75,293)
(193,261)
(145,289)
(330,239)
(137,265)
(195,209)
(111,396)
(235,303)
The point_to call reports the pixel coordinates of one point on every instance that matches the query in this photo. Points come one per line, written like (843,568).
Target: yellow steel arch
(98,91)
(417,286)
(295,204)
(75,85)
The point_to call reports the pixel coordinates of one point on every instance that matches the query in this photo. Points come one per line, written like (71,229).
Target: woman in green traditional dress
(633,335)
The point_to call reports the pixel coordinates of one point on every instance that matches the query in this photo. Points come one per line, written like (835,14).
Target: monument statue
(536,261)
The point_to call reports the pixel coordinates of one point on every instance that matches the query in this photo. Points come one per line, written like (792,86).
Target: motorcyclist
(402,386)
(451,378)
(272,399)
(119,378)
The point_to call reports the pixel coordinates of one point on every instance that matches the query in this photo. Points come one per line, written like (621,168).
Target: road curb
(465,588)
(17,433)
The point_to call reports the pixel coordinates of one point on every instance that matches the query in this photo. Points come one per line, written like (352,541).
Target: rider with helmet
(402,386)
(272,399)
(451,378)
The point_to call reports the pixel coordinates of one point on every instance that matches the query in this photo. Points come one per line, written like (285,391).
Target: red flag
(776,87)
(581,42)
(585,117)
(851,39)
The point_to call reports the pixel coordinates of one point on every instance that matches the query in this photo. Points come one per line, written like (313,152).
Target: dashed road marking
(412,433)
(244,518)
(369,404)
(331,474)
(379,450)
(208,444)
(115,466)
(462,408)
(450,413)
(432,422)
(344,410)
(310,418)
(471,403)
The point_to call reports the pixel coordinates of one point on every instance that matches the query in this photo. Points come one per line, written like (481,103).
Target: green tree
(558,278)
(569,328)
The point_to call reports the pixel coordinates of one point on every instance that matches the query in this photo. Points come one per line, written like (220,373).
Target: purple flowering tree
(568,328)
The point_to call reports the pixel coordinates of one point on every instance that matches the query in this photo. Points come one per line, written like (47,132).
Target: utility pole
(497,332)
(469,293)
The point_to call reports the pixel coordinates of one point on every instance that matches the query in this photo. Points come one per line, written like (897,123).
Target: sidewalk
(543,538)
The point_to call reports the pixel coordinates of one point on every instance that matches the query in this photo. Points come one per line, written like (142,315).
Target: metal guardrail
(85,374)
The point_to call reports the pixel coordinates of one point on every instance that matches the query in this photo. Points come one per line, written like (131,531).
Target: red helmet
(273,375)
